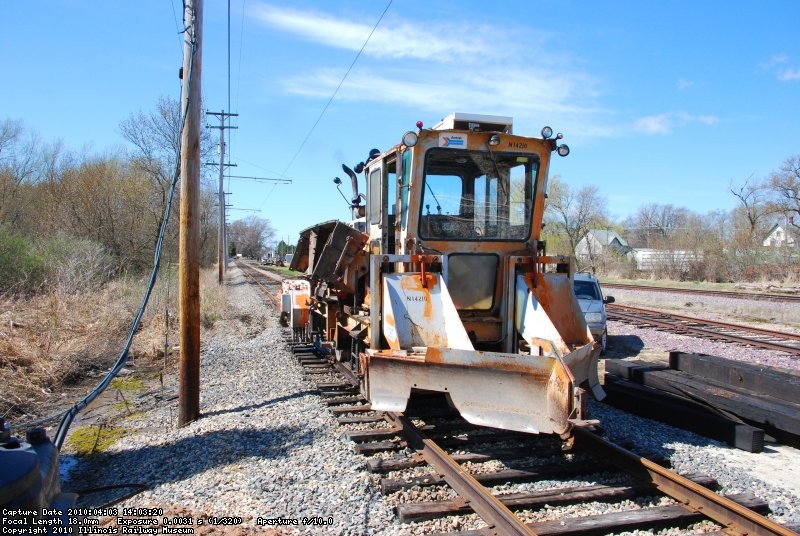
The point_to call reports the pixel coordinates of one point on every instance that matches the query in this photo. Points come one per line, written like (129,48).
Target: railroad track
(711,329)
(430,448)
(743,295)
(268,282)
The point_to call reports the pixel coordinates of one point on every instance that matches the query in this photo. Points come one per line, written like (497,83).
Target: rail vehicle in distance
(441,282)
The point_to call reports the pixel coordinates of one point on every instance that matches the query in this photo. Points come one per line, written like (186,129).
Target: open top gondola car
(441,281)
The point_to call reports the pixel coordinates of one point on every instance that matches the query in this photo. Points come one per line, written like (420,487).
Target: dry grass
(54,341)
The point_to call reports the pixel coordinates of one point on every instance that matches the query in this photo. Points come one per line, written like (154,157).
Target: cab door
(377,227)
(381,192)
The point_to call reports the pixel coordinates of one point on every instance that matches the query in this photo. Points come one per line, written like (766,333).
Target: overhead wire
(177,25)
(241,45)
(272,171)
(330,100)
(70,414)
(238,78)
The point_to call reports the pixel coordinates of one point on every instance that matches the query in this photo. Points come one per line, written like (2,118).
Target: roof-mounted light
(563,150)
(494,139)
(410,138)
(419,125)
(547,133)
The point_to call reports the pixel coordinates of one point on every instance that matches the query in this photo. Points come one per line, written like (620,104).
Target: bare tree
(655,226)
(251,235)
(156,138)
(573,213)
(753,209)
(784,186)
(20,159)
(104,200)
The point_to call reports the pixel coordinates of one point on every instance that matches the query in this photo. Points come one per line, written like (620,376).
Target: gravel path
(266,447)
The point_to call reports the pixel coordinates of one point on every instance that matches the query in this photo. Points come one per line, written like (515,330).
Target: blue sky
(660,102)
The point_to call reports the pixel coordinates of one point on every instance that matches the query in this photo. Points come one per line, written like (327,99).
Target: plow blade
(526,393)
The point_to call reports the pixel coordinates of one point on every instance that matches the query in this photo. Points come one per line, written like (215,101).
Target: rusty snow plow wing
(535,390)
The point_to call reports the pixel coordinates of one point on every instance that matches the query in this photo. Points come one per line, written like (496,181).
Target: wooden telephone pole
(189,244)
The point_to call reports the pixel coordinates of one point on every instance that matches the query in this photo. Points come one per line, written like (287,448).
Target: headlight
(592,318)
(410,138)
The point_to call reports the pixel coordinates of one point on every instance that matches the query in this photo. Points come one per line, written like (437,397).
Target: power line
(264,179)
(177,26)
(327,104)
(229,55)
(260,166)
(241,45)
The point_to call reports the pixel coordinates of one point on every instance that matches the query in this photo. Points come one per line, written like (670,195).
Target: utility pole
(222,254)
(262,179)
(189,244)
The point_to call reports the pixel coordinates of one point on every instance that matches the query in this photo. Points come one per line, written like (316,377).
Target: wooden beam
(682,413)
(778,383)
(754,407)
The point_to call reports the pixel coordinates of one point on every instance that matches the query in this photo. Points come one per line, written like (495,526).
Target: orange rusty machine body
(441,282)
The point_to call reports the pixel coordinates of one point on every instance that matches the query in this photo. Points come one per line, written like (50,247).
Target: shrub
(73,265)
(60,264)
(20,268)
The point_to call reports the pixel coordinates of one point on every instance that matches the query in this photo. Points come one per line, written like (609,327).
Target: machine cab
(472,191)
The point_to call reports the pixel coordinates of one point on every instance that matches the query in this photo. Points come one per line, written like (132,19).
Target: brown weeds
(54,341)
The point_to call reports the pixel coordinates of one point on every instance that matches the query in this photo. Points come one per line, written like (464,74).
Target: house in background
(778,237)
(598,242)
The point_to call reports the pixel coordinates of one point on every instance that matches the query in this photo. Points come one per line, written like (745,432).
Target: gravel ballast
(267,447)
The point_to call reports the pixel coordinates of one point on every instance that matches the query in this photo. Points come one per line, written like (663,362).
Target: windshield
(477,195)
(586,290)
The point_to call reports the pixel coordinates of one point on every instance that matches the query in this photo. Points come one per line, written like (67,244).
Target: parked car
(593,306)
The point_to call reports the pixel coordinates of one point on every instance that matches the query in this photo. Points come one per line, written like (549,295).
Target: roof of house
(607,237)
(774,228)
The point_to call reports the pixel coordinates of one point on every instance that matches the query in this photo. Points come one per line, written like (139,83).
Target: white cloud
(775,60)
(706,119)
(398,40)
(789,75)
(777,65)
(684,84)
(458,67)
(654,124)
(665,123)
(541,94)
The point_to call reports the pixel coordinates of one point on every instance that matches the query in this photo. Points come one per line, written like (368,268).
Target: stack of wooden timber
(727,400)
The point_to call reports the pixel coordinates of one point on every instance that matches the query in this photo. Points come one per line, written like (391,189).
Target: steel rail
(734,517)
(270,295)
(486,505)
(706,292)
(675,322)
(760,331)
